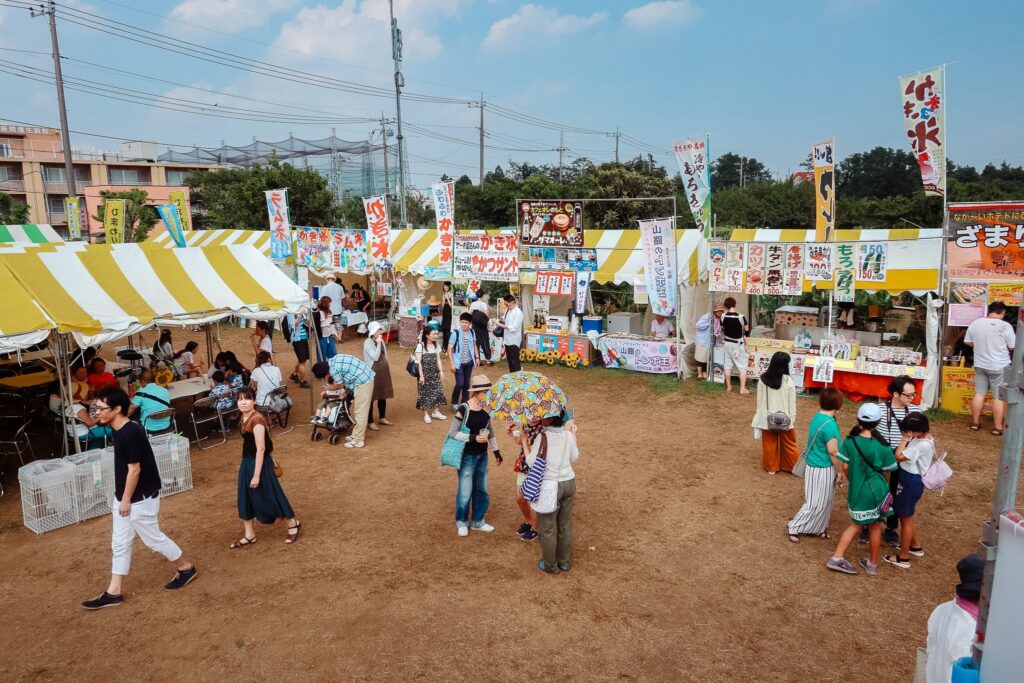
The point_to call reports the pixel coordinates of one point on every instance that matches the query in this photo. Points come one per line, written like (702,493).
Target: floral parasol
(524,396)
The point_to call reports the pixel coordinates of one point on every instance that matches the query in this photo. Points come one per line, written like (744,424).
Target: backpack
(937,474)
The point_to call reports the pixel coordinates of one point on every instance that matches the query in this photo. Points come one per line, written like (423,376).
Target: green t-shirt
(867,487)
(817,450)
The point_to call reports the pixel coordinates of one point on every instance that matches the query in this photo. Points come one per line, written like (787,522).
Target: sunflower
(163,377)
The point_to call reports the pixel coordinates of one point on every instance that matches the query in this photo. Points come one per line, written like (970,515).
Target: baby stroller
(338,420)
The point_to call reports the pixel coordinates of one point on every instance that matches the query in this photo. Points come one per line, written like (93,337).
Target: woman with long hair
(447,306)
(163,348)
(186,362)
(472,486)
(776,396)
(260,495)
(324,323)
(822,474)
(429,390)
(867,460)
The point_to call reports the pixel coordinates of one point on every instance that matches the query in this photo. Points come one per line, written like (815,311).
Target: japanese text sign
(378,225)
(172,221)
(986,241)
(74,214)
(113,220)
(819,259)
(280,224)
(487,257)
(178,199)
(660,265)
(872,261)
(443,195)
(348,251)
(313,246)
(550,223)
(924,113)
(824,190)
(695,171)
(845,271)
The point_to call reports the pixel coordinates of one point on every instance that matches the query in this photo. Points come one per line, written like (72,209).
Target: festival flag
(924,112)
(692,157)
(178,199)
(443,195)
(378,223)
(659,265)
(280,224)
(113,219)
(823,157)
(74,214)
(172,221)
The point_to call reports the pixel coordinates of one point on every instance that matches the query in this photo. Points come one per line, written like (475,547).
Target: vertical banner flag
(583,279)
(845,272)
(444,209)
(74,217)
(172,221)
(280,224)
(379,224)
(113,220)
(178,199)
(924,112)
(659,265)
(692,157)
(822,154)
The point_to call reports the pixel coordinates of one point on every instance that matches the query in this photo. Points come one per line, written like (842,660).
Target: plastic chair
(204,412)
(171,428)
(225,415)
(18,444)
(280,416)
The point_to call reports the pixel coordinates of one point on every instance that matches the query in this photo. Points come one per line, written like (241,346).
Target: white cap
(869,412)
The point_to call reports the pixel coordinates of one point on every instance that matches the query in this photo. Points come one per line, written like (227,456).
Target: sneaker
(373,426)
(530,535)
(463,531)
(349,438)
(523,528)
(104,599)
(551,570)
(916,552)
(897,561)
(890,537)
(181,579)
(863,538)
(483,526)
(840,564)
(869,566)
(564,567)
(426,419)
(438,416)
(354,444)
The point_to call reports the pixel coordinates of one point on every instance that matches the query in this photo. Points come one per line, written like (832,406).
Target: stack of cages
(48,497)
(94,481)
(174,463)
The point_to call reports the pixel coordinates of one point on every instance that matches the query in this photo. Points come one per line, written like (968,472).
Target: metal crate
(94,481)
(48,498)
(174,462)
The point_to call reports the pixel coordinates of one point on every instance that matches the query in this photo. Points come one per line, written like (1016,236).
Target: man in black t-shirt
(136,503)
(735,330)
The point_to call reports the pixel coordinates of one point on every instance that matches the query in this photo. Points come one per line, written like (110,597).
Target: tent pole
(711,308)
(61,360)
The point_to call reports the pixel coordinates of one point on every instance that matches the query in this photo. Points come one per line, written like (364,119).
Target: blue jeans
(472,488)
(460,394)
(327,348)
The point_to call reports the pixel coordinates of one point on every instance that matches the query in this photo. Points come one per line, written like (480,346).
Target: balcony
(58,218)
(12,185)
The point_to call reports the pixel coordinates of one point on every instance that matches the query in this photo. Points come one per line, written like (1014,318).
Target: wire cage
(94,481)
(48,497)
(174,462)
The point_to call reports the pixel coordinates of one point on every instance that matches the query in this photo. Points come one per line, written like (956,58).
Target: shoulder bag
(886,504)
(778,421)
(451,451)
(801,464)
(937,474)
(530,489)
(412,367)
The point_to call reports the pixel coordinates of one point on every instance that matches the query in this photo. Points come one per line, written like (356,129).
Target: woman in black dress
(447,302)
(259,492)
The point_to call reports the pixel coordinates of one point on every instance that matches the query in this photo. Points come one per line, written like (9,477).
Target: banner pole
(679,298)
(711,308)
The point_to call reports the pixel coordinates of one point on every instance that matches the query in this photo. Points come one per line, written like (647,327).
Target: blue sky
(765,79)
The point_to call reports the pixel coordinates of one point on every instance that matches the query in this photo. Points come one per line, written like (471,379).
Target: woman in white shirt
(325,324)
(776,394)
(267,377)
(163,349)
(185,361)
(555,528)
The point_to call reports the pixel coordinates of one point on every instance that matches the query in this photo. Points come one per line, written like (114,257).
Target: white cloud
(229,15)
(532,22)
(661,14)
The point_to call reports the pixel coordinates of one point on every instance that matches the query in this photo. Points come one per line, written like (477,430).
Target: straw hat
(480,383)
(434,300)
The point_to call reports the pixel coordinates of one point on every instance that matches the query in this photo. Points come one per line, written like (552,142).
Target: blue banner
(172,221)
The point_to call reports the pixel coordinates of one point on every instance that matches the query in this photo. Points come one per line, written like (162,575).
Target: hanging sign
(695,171)
(177,198)
(872,261)
(924,113)
(845,272)
(378,224)
(583,260)
(583,280)
(793,274)
(313,246)
(172,221)
(550,223)
(659,265)
(113,220)
(819,260)
(443,195)
(348,251)
(755,268)
(824,190)
(74,214)
(987,241)
(487,257)
(555,284)
(280,224)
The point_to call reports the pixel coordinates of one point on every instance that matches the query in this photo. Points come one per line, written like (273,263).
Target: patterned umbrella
(524,396)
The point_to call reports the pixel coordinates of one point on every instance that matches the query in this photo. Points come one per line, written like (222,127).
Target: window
(176,176)
(54,174)
(10,173)
(56,204)
(5,149)
(129,176)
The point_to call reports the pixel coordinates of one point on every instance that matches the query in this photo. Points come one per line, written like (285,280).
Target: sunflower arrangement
(571,360)
(529,355)
(163,377)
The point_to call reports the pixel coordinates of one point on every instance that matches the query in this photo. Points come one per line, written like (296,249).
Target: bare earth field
(682,570)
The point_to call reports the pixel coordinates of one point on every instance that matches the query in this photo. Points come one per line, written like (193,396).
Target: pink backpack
(937,474)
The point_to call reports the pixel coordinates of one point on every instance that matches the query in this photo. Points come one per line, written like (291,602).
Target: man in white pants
(136,503)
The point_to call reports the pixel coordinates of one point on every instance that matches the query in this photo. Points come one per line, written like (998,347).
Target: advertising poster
(660,265)
(924,113)
(736,255)
(1009,293)
(378,224)
(443,195)
(755,268)
(962,315)
(819,259)
(824,190)
(557,223)
(177,197)
(695,171)
(845,287)
(494,258)
(74,215)
(824,369)
(313,246)
(872,261)
(638,354)
(733,280)
(348,252)
(961,292)
(584,260)
(280,224)
(986,241)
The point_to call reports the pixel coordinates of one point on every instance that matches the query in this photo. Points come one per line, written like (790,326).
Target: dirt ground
(682,570)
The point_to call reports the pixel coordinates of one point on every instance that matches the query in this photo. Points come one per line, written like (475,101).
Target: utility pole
(742,161)
(615,135)
(384,138)
(561,153)
(396,52)
(480,105)
(65,136)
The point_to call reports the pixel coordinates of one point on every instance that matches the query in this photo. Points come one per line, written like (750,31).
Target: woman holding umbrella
(472,489)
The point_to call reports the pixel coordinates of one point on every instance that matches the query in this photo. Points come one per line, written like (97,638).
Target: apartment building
(32,171)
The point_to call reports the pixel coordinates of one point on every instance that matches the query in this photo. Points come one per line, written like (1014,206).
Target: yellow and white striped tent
(914,255)
(620,257)
(216,238)
(104,292)
(22,322)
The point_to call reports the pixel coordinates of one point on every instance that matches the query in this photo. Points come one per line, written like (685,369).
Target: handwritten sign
(488,257)
(660,265)
(113,220)
(872,261)
(378,224)
(443,195)
(845,287)
(280,224)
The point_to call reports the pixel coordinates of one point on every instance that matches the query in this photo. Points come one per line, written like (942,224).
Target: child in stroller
(333,415)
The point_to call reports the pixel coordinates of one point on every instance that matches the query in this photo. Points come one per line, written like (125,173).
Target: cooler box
(592,323)
(625,323)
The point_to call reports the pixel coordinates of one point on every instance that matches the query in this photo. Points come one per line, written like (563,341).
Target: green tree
(880,172)
(139,217)
(11,210)
(235,198)
(726,171)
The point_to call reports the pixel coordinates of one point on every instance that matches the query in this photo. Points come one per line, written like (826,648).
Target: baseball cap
(869,412)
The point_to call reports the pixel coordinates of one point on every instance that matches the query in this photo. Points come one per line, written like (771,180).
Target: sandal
(975,427)
(243,542)
(824,535)
(997,432)
(793,538)
(293,537)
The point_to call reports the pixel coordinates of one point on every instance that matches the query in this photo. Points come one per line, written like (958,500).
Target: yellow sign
(74,215)
(178,199)
(958,391)
(824,190)
(1010,293)
(113,220)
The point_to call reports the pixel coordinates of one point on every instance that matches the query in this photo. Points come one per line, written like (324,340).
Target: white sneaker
(463,531)
(438,416)
(349,438)
(353,444)
(426,418)
(483,526)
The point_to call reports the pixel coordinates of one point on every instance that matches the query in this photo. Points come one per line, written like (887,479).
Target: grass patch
(941,415)
(706,387)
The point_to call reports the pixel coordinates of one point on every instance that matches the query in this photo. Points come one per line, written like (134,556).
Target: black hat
(970,570)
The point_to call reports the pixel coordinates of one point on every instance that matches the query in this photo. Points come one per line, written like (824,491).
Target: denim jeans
(327,348)
(460,394)
(472,489)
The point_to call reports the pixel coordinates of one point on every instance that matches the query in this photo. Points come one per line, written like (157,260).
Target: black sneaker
(863,538)
(891,537)
(523,528)
(105,599)
(181,579)
(528,536)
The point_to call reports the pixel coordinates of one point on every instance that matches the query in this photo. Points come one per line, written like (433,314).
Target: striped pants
(819,490)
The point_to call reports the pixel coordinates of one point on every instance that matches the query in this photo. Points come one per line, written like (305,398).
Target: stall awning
(108,291)
(22,322)
(620,256)
(36,233)
(217,238)
(914,255)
